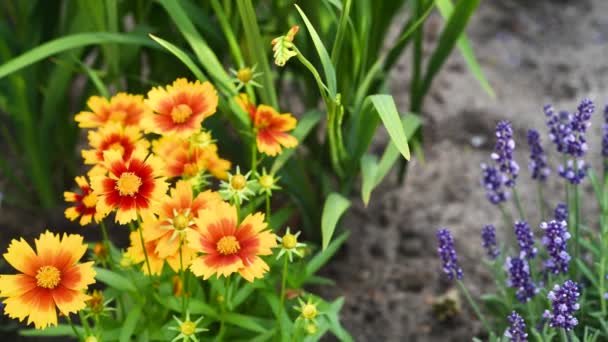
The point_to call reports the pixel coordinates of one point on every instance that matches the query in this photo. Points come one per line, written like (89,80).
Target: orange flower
(123,108)
(85,201)
(228,246)
(112,137)
(270,126)
(183,159)
(180,108)
(176,215)
(50,279)
(130,186)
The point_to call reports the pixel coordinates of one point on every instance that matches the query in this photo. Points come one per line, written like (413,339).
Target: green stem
(78,336)
(228,33)
(520,209)
(576,231)
(473,305)
(183,277)
(541,201)
(143,246)
(508,220)
(532,312)
(254,156)
(85,322)
(267,206)
(106,242)
(283,285)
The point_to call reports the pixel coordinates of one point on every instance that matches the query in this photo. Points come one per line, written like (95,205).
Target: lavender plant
(553,288)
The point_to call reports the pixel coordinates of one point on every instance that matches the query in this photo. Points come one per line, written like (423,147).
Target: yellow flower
(85,203)
(50,279)
(308,310)
(124,109)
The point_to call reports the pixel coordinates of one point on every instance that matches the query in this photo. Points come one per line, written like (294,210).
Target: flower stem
(473,305)
(541,201)
(143,246)
(183,277)
(268,206)
(520,209)
(283,285)
(106,242)
(254,156)
(76,333)
(576,230)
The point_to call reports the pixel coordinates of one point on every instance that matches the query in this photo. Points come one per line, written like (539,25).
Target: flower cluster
(488,237)
(493,181)
(561,212)
(517,330)
(538,160)
(605,134)
(525,240)
(564,303)
(503,153)
(556,242)
(447,253)
(520,278)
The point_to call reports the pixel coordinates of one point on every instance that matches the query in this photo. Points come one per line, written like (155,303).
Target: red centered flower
(124,109)
(86,202)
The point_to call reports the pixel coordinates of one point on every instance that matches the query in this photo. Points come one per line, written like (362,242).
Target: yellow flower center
(244,75)
(187,328)
(48,277)
(309,311)
(289,241)
(117,147)
(91,339)
(181,113)
(228,245)
(128,184)
(266,181)
(90,200)
(311,329)
(238,182)
(181,222)
(117,116)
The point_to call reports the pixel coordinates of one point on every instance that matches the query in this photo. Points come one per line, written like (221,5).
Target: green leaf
(67,43)
(335,206)
(596,188)
(195,306)
(279,217)
(246,322)
(328,67)
(130,323)
(305,125)
(385,106)
(323,256)
(182,56)
(59,330)
(588,273)
(369,170)
(114,280)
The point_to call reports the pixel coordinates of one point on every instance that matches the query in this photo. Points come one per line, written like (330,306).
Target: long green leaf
(385,106)
(323,256)
(335,206)
(369,170)
(130,323)
(328,67)
(59,330)
(246,322)
(305,125)
(182,56)
(114,280)
(67,43)
(446,9)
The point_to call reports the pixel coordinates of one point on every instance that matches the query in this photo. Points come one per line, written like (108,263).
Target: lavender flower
(555,240)
(503,153)
(605,138)
(517,331)
(525,240)
(559,127)
(492,182)
(447,253)
(563,304)
(538,160)
(571,173)
(561,212)
(488,237)
(520,279)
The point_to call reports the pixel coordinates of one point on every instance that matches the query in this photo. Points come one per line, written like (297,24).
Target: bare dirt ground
(533,53)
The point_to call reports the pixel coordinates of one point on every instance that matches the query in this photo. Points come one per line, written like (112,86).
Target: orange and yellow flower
(131,186)
(85,203)
(50,279)
(270,127)
(177,214)
(180,108)
(124,109)
(228,246)
(125,140)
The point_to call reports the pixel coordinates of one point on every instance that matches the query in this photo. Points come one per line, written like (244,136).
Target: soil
(532,52)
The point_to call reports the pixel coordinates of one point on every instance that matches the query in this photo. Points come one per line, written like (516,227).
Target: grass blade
(369,170)
(334,207)
(182,56)
(323,256)
(385,106)
(305,125)
(130,323)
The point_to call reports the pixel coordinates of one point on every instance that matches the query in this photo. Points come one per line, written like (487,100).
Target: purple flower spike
(563,304)
(503,152)
(517,331)
(556,241)
(520,279)
(561,212)
(525,240)
(492,182)
(573,174)
(447,253)
(488,237)
(538,160)
(605,137)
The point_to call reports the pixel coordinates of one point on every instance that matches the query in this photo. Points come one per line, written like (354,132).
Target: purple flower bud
(447,253)
(538,160)
(520,279)
(573,172)
(561,212)
(525,240)
(488,241)
(555,241)
(503,153)
(563,304)
(517,331)
(493,181)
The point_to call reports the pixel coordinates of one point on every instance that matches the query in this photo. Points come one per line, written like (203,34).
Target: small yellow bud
(311,329)
(90,339)
(290,241)
(309,311)
(126,261)
(187,328)
(238,182)
(266,181)
(244,75)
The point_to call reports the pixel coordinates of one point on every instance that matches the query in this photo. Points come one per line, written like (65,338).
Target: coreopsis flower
(180,108)
(283,46)
(308,310)
(245,76)
(238,188)
(229,246)
(518,270)
(289,244)
(50,278)
(488,241)
(556,242)
(176,214)
(125,140)
(124,109)
(492,181)
(517,330)
(538,159)
(85,202)
(561,212)
(503,153)
(525,240)
(131,186)
(267,182)
(447,253)
(564,305)
(187,329)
